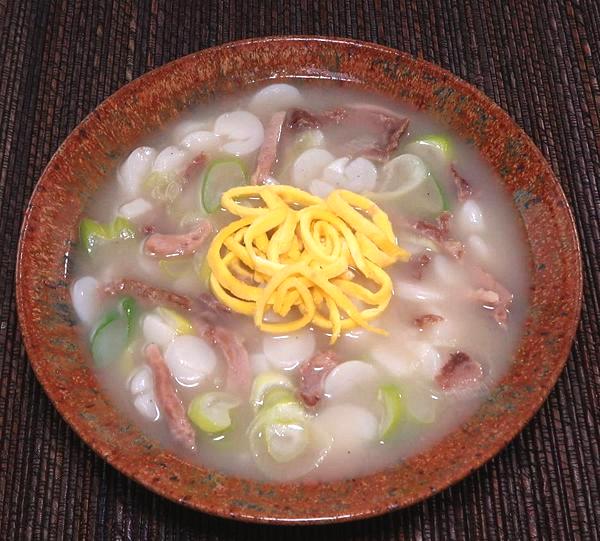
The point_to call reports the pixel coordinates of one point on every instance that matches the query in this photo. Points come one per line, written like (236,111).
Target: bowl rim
(138,475)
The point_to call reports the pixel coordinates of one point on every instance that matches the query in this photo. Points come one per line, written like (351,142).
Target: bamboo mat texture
(539,60)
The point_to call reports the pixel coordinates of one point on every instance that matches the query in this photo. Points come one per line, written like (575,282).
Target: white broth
(211,386)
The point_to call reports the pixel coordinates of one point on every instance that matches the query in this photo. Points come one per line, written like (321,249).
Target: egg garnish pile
(308,260)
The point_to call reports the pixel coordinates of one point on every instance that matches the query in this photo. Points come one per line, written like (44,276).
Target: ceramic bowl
(89,155)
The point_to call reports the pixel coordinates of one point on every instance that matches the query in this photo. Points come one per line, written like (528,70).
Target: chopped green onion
(285,442)
(176,321)
(439,142)
(282,429)
(280,419)
(220,176)
(265,383)
(163,186)
(283,412)
(121,229)
(393,410)
(278,395)
(90,232)
(110,339)
(115,330)
(128,309)
(210,412)
(280,423)
(407,181)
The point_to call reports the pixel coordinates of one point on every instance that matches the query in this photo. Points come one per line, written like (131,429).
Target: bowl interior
(96,146)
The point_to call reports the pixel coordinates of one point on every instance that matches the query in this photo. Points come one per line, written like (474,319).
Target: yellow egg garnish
(291,252)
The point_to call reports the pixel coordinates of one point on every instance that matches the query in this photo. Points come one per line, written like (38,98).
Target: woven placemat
(539,60)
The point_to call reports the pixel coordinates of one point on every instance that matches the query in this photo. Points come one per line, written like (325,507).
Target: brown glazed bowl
(89,156)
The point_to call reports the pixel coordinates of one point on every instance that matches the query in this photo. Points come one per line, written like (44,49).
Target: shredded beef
(463,188)
(166,396)
(160,245)
(439,233)
(427,320)
(299,119)
(268,151)
(196,165)
(418,263)
(459,372)
(387,127)
(154,295)
(313,373)
(209,301)
(493,294)
(239,373)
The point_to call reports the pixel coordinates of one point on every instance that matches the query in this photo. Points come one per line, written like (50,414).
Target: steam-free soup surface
(206,382)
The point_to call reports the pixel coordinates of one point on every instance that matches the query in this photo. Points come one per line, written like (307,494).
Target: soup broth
(208,383)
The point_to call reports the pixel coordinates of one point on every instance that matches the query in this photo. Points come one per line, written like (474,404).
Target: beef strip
(205,305)
(418,263)
(388,127)
(166,396)
(196,165)
(463,188)
(427,320)
(299,119)
(492,293)
(211,303)
(239,372)
(268,151)
(313,373)
(459,372)
(488,290)
(160,245)
(154,295)
(439,233)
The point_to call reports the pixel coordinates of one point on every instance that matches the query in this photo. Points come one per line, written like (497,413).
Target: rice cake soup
(298,284)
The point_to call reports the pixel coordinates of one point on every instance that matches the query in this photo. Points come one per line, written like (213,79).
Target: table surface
(539,60)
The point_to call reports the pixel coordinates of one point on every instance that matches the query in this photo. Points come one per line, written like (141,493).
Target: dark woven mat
(539,60)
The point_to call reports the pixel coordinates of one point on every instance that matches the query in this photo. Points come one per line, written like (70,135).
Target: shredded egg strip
(295,254)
